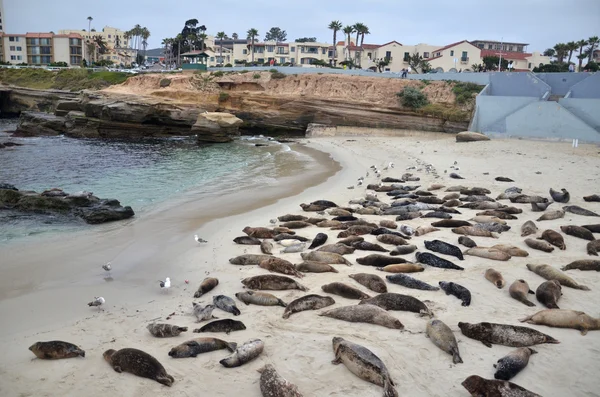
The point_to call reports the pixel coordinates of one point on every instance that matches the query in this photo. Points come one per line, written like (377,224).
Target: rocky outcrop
(470,136)
(39,124)
(216,127)
(15,100)
(82,205)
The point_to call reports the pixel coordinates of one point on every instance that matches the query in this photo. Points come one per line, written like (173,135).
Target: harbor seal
(403,250)
(247,352)
(435,261)
(318,241)
(393,301)
(423,230)
(593,247)
(329,223)
(487,219)
(388,224)
(274,385)
(325,257)
(406,216)
(248,259)
(583,265)
(344,290)
(307,302)
(495,277)
(548,293)
(259,232)
(312,208)
(366,246)
(165,330)
(371,281)
(457,290)
(193,347)
(593,228)
(289,236)
(341,249)
(593,197)
(291,217)
(551,215)
(504,334)
(56,349)
(226,304)
(518,290)
(272,282)
(560,197)
(297,224)
(363,363)
(246,240)
(575,209)
(203,313)
(498,214)
(540,245)
(259,298)
(207,285)
(553,238)
(226,325)
(266,247)
(410,282)
(467,242)
(391,239)
(561,318)
(279,265)
(578,231)
(338,212)
(488,253)
(379,260)
(511,250)
(370,314)
(550,273)
(138,363)
(474,231)
(441,335)
(291,249)
(315,267)
(349,240)
(444,248)
(478,386)
(511,364)
(402,268)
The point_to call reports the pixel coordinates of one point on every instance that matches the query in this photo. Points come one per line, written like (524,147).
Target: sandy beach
(44,290)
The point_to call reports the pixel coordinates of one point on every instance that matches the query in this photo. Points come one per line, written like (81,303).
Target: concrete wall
(477,78)
(587,88)
(491,110)
(545,119)
(517,84)
(587,110)
(561,83)
(320,130)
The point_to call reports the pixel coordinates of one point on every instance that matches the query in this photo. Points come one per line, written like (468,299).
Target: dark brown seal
(467,242)
(539,245)
(207,285)
(259,232)
(593,247)
(56,349)
(246,240)
(138,363)
(192,348)
(578,231)
(371,281)
(344,290)
(548,293)
(393,301)
(478,386)
(279,265)
(583,265)
(307,302)
(450,223)
(379,260)
(504,334)
(272,282)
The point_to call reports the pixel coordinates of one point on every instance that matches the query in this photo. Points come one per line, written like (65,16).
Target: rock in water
(216,127)
(363,363)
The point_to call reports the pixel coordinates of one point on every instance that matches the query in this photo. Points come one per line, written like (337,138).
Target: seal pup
(435,261)
(548,293)
(344,290)
(578,231)
(370,314)
(423,230)
(56,349)
(593,197)
(291,249)
(495,277)
(550,273)
(511,364)
(403,250)
(266,247)
(279,265)
(388,224)
(325,257)
(207,285)
(226,304)
(363,363)
(315,267)
(560,197)
(528,228)
(519,290)
(583,265)
(553,238)
(574,209)
(138,363)
(349,240)
(248,259)
(192,348)
(488,253)
(478,386)
(318,241)
(593,247)
(402,268)
(274,385)
(561,318)
(247,352)
(379,260)
(410,282)
(259,298)
(551,215)
(441,335)
(226,325)
(246,240)
(504,334)
(457,290)
(393,301)
(297,224)
(203,313)
(272,282)
(371,281)
(539,245)
(444,248)
(307,302)
(289,236)
(467,242)
(165,330)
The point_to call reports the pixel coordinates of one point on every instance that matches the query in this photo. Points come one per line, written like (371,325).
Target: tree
(362,30)
(126,38)
(549,52)
(145,33)
(593,43)
(276,34)
(382,63)
(90,19)
(491,62)
(252,33)
(100,44)
(221,36)
(306,40)
(414,61)
(202,37)
(425,67)
(592,67)
(571,46)
(335,26)
(348,30)
(561,52)
(581,56)
(235,36)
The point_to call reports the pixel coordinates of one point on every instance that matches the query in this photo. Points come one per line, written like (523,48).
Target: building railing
(464,59)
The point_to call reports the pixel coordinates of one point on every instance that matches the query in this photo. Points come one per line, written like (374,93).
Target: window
(529,65)
(12,48)
(451,53)
(481,45)
(245,52)
(464,57)
(510,48)
(293,49)
(19,58)
(109,36)
(45,42)
(425,55)
(75,60)
(13,57)
(281,60)
(75,50)
(490,47)
(293,60)
(520,48)
(19,48)
(212,59)
(406,55)
(261,60)
(11,38)
(323,51)
(369,55)
(270,48)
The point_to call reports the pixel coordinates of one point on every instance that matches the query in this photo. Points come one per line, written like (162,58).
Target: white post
(500,58)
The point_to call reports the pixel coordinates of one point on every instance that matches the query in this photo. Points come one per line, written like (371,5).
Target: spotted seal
(548,293)
(272,282)
(138,363)
(315,267)
(274,385)
(554,238)
(307,302)
(504,334)
(583,265)
(435,261)
(364,314)
(478,386)
(344,290)
(444,248)
(226,304)
(371,281)
(410,282)
(165,330)
(226,325)
(259,298)
(457,290)
(393,301)
(56,349)
(279,265)
(247,352)
(442,336)
(511,364)
(192,348)
(550,273)
(578,231)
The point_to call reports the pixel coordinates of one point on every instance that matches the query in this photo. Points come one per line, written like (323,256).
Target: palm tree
(348,30)
(126,37)
(561,52)
(550,52)
(235,36)
(137,29)
(90,19)
(252,33)
(145,35)
(581,57)
(179,39)
(202,37)
(359,28)
(221,36)
(581,44)
(593,43)
(335,26)
(571,46)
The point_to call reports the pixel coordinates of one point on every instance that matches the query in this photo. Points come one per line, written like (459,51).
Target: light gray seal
(441,335)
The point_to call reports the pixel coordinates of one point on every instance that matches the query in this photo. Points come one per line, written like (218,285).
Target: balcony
(464,59)
(282,53)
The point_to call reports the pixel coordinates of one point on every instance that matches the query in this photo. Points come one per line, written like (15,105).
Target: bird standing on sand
(98,301)
(199,240)
(165,285)
(107,267)
(273,221)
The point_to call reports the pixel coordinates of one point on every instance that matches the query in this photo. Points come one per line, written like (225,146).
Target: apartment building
(119,50)
(280,53)
(2,16)
(500,46)
(42,48)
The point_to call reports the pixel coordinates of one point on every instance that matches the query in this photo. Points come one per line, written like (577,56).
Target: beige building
(42,48)
(280,53)
(2,16)
(119,50)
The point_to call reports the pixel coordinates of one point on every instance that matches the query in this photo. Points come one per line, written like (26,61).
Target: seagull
(165,285)
(98,301)
(360,182)
(367,173)
(199,240)
(391,165)
(107,267)
(350,187)
(273,221)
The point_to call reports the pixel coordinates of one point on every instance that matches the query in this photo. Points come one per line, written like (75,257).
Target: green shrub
(165,83)
(465,92)
(256,76)
(218,73)
(244,71)
(277,75)
(444,112)
(273,71)
(412,98)
(223,96)
(228,65)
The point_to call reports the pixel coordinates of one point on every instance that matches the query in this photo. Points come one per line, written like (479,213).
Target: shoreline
(300,348)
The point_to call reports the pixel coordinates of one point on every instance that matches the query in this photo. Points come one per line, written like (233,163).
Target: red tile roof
(506,54)
(391,42)
(452,45)
(39,35)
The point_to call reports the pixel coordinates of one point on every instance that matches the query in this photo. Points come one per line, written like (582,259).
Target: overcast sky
(541,23)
